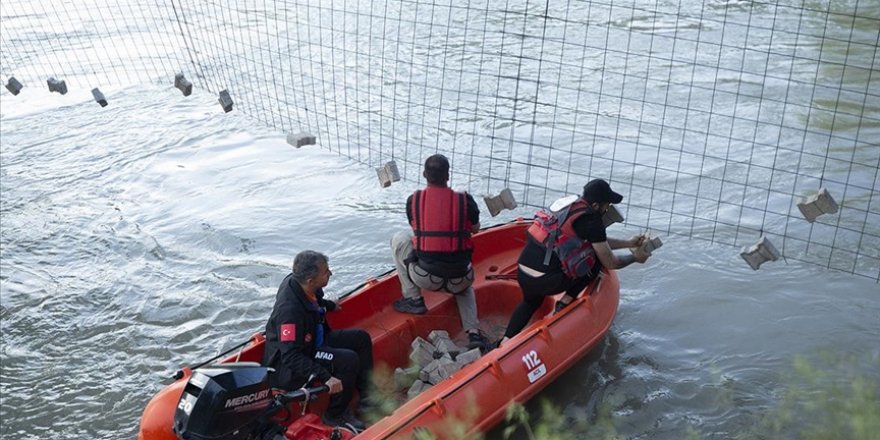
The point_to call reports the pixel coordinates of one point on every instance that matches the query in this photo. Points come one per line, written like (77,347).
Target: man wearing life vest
(301,346)
(566,248)
(436,255)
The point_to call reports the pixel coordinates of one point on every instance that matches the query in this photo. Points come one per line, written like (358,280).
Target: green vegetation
(553,425)
(826,399)
(829,398)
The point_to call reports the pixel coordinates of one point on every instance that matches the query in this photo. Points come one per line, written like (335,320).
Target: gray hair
(305,265)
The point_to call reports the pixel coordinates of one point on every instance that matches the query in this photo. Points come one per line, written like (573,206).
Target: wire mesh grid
(713,118)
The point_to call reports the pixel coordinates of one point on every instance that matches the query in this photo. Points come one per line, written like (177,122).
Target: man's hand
(640,254)
(637,240)
(334,384)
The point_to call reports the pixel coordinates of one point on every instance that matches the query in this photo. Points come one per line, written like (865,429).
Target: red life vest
(554,230)
(440,220)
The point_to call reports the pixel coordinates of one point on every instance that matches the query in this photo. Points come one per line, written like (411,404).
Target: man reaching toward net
(566,248)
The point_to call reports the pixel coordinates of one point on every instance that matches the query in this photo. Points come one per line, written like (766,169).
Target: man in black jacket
(300,344)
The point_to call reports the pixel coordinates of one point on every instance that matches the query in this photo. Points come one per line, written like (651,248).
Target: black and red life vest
(555,231)
(439,219)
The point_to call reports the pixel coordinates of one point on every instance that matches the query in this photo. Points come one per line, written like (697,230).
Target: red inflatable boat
(478,394)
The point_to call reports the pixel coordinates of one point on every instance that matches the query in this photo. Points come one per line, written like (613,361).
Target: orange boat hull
(478,394)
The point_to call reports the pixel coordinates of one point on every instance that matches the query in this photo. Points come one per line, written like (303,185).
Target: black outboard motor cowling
(223,402)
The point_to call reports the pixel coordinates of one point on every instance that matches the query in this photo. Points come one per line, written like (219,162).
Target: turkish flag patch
(288,332)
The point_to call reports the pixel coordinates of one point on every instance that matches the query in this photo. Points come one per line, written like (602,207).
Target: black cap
(599,191)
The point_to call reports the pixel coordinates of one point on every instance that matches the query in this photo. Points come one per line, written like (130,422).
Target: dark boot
(346,420)
(414,306)
(478,340)
(559,306)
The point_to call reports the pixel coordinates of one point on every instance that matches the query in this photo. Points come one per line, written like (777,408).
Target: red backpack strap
(416,212)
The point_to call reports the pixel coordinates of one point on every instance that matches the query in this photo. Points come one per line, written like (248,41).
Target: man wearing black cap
(566,249)
(436,254)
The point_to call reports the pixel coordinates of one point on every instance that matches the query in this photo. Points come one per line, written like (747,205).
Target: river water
(153,233)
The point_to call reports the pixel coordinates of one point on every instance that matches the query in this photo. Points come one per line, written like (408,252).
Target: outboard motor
(223,402)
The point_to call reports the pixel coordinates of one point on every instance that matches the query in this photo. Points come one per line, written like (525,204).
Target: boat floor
(393,332)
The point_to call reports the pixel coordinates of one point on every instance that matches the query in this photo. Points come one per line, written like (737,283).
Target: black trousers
(348,355)
(535,289)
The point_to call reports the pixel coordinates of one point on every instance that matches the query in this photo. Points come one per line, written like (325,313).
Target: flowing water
(137,239)
(153,233)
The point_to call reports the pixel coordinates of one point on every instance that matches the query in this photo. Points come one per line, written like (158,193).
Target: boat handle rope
(308,396)
(501,276)
(240,351)
(179,373)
